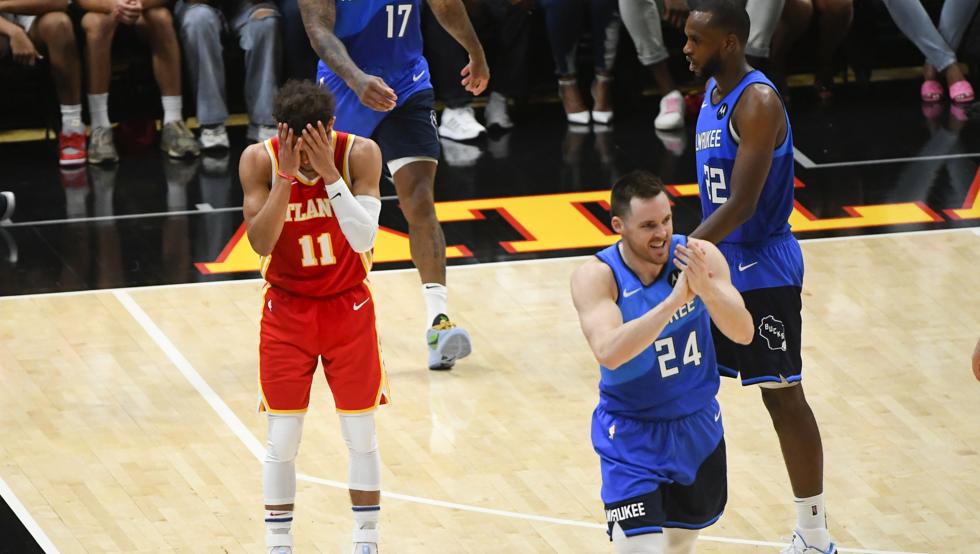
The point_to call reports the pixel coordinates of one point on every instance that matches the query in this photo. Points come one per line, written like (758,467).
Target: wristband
(285,176)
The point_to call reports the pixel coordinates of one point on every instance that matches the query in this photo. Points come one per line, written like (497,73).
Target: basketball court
(129,343)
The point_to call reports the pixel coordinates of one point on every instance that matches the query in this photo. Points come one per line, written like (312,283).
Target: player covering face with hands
(311,211)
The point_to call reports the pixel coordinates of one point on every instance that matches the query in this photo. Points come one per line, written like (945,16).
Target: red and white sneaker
(71,149)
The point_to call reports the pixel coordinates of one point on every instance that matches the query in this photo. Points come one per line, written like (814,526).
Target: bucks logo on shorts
(774,333)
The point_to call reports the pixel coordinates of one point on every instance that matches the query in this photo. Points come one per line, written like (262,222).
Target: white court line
(25,517)
(191,374)
(802,159)
(806,162)
(202,208)
(460,267)
(115,217)
(253,445)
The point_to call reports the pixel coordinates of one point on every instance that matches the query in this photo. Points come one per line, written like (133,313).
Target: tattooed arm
(319,17)
(451,14)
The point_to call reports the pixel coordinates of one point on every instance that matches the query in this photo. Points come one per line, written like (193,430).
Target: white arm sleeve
(358,217)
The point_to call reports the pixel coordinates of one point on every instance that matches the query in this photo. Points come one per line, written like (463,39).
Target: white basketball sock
(811,522)
(810,512)
(98,109)
(173,108)
(436,299)
(71,118)
(366,517)
(278,522)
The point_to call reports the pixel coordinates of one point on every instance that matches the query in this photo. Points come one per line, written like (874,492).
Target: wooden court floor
(129,423)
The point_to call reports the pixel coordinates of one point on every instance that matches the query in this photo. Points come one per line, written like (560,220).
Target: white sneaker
(214,137)
(799,546)
(281,550)
(458,154)
(674,141)
(671,114)
(496,112)
(265,132)
(460,124)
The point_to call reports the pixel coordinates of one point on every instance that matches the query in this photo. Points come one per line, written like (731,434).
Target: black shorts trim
(774,355)
(673,505)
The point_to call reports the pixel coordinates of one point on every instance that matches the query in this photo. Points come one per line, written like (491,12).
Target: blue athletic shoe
(447,343)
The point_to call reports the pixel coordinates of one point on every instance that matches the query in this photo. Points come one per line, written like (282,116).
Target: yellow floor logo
(552,222)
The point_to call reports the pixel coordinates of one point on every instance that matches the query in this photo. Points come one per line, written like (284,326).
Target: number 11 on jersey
(326,250)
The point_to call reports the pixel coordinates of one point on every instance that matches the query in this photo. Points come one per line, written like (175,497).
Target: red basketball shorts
(340,330)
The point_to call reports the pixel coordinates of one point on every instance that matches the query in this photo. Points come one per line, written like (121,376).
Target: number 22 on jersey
(692,355)
(714,180)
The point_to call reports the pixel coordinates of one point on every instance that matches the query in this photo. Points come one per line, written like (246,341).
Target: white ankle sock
(811,521)
(71,118)
(436,298)
(366,517)
(173,108)
(98,109)
(278,522)
(810,512)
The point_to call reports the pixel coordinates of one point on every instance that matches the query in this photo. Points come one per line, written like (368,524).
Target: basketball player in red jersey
(311,211)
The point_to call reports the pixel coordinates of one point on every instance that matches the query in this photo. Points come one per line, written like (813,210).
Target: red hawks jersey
(312,256)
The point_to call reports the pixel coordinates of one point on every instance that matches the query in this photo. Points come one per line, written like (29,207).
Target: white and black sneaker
(7,203)
(213,137)
(460,124)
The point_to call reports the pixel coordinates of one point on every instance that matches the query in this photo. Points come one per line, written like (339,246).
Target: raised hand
(691,260)
(682,293)
(476,76)
(289,149)
(375,93)
(316,144)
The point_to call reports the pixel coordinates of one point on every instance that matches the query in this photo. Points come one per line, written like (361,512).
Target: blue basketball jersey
(716,146)
(384,39)
(675,376)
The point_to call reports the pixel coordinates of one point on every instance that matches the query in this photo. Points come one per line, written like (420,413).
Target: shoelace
(443,325)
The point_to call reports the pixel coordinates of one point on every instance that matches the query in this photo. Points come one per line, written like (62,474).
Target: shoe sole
(453,136)
(218,146)
(674,127)
(455,348)
(179,155)
(100,161)
(78,161)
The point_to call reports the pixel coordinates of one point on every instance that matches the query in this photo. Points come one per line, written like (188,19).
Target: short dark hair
(729,15)
(299,103)
(635,184)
